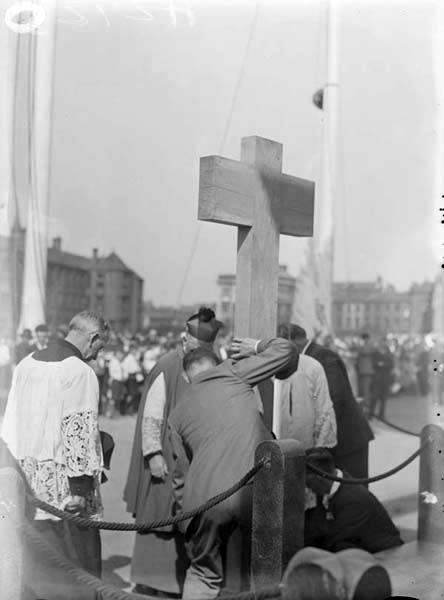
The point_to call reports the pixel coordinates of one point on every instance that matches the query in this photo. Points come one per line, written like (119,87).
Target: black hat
(203,325)
(107,448)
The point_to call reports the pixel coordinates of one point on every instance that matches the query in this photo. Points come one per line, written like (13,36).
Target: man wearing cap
(159,561)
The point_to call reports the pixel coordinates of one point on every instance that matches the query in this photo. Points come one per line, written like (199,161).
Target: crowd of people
(377,367)
(199,420)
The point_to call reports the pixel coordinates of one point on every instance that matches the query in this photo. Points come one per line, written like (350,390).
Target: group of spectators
(387,366)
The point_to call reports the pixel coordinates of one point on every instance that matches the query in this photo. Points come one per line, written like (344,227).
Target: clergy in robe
(215,430)
(307,412)
(353,431)
(159,561)
(51,427)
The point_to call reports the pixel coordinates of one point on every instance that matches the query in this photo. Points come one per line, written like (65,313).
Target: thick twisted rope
(365,480)
(145,527)
(109,591)
(397,427)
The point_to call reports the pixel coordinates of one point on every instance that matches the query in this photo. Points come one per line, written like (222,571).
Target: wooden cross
(262,202)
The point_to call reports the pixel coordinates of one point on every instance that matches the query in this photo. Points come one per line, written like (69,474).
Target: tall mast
(327,189)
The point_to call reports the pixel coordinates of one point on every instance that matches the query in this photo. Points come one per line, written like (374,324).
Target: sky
(139,98)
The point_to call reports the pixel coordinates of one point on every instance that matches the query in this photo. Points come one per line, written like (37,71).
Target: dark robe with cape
(158,560)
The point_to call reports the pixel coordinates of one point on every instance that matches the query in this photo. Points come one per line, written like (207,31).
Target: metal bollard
(431,486)
(278,510)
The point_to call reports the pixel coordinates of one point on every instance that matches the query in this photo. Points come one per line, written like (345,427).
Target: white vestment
(51,427)
(307,412)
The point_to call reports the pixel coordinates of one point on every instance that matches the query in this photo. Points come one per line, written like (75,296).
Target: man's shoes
(146,590)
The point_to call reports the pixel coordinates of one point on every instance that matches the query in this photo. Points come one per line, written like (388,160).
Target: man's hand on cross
(242,348)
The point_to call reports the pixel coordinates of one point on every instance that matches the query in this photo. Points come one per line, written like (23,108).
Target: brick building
(73,283)
(116,291)
(378,308)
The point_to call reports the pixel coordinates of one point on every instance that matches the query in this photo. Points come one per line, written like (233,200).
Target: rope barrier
(145,527)
(111,592)
(365,480)
(397,427)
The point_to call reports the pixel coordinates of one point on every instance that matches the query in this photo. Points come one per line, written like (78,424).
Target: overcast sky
(139,100)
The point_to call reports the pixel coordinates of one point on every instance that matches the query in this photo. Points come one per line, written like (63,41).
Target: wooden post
(431,486)
(12,515)
(278,510)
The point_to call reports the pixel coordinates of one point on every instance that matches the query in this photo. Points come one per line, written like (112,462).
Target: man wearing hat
(159,561)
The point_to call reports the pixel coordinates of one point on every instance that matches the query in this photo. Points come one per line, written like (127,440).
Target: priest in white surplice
(306,409)
(51,428)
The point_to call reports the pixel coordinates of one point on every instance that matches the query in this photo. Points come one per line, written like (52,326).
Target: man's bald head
(89,332)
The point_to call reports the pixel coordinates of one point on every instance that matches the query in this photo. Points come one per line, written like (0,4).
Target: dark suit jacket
(354,432)
(359,521)
(217,425)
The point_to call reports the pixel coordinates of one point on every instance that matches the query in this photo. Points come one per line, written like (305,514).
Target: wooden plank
(296,206)
(257,275)
(218,206)
(292,202)
(262,152)
(225,191)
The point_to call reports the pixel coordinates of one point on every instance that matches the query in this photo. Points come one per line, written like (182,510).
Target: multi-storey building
(227,297)
(378,308)
(73,283)
(116,291)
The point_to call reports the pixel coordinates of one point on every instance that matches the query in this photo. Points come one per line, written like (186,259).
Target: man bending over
(215,430)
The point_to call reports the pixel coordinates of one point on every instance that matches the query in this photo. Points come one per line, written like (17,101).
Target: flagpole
(323,238)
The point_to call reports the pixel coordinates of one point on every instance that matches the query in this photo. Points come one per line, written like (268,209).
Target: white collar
(336,484)
(304,349)
(334,488)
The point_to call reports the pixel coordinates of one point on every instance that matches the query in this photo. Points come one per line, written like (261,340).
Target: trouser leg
(367,393)
(238,549)
(206,537)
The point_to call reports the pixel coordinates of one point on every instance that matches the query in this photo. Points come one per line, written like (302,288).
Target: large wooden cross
(262,202)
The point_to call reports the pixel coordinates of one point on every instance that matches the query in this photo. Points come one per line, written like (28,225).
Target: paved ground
(398,493)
